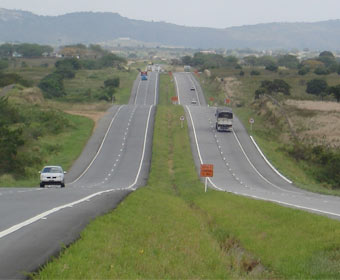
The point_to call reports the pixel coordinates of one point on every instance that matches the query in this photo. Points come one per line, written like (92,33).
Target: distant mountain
(88,27)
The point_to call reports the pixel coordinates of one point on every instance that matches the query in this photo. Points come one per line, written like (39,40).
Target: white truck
(224,119)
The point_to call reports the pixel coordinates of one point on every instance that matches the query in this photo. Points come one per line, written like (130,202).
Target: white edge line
(267,161)
(100,148)
(252,165)
(56,209)
(155,99)
(142,158)
(198,148)
(253,196)
(179,99)
(49,212)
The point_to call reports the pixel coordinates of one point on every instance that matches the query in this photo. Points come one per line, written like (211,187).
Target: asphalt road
(35,222)
(238,165)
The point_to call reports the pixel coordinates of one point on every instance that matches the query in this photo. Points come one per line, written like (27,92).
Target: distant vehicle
(224,119)
(149,67)
(192,89)
(194,101)
(144,75)
(52,175)
(187,68)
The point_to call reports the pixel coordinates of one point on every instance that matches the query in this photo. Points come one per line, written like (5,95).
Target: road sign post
(207,170)
(251,121)
(182,118)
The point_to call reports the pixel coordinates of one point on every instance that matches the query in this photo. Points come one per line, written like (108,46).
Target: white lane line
(100,148)
(155,99)
(267,161)
(143,153)
(179,98)
(70,205)
(253,196)
(137,92)
(194,85)
(147,91)
(197,146)
(252,165)
(47,213)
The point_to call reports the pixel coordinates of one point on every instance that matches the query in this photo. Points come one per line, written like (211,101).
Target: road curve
(239,168)
(35,222)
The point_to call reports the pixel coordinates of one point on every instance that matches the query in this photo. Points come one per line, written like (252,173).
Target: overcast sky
(209,13)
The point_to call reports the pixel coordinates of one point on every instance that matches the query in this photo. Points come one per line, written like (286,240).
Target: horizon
(219,14)
(162,21)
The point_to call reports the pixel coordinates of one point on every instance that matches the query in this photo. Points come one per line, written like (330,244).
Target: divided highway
(34,223)
(238,165)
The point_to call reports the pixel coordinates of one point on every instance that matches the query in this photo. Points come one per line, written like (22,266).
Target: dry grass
(315,105)
(317,122)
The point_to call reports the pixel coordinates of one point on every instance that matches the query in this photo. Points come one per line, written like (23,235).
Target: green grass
(69,144)
(88,82)
(172,229)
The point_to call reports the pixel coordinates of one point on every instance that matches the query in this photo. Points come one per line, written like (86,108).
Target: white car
(52,175)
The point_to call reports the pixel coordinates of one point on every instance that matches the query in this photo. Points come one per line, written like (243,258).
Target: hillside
(89,27)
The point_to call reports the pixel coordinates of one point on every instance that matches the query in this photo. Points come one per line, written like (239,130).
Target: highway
(239,167)
(36,222)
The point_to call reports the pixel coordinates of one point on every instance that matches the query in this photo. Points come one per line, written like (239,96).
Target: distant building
(16,54)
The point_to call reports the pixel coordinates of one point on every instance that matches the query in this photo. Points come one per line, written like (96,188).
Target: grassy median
(172,229)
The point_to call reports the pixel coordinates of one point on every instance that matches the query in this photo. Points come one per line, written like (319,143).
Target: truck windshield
(226,115)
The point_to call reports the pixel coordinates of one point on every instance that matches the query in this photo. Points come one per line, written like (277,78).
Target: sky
(209,13)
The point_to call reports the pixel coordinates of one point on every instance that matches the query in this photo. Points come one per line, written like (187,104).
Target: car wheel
(42,185)
(62,185)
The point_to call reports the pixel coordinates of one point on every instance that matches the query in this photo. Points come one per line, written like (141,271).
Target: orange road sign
(174,98)
(227,101)
(207,170)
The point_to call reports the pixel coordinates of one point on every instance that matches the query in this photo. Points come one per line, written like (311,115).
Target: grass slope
(172,229)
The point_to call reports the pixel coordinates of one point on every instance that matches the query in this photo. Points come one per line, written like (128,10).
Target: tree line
(52,85)
(26,50)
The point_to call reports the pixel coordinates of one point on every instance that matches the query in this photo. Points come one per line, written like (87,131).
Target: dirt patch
(315,105)
(93,115)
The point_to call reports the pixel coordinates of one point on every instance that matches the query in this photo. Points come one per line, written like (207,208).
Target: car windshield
(52,170)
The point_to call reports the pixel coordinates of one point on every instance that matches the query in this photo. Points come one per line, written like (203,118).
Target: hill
(89,27)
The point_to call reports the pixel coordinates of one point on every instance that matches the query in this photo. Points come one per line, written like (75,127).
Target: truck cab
(224,119)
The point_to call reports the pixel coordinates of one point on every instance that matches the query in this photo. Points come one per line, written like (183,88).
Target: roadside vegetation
(302,142)
(31,136)
(172,229)
(49,106)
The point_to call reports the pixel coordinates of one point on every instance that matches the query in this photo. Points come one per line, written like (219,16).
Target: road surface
(238,165)
(35,222)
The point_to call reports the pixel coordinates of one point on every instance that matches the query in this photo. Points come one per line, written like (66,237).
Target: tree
(289,61)
(272,67)
(110,86)
(335,90)
(186,60)
(250,60)
(110,60)
(52,85)
(317,87)
(275,86)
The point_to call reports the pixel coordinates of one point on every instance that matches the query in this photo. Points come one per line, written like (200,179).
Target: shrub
(255,73)
(52,86)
